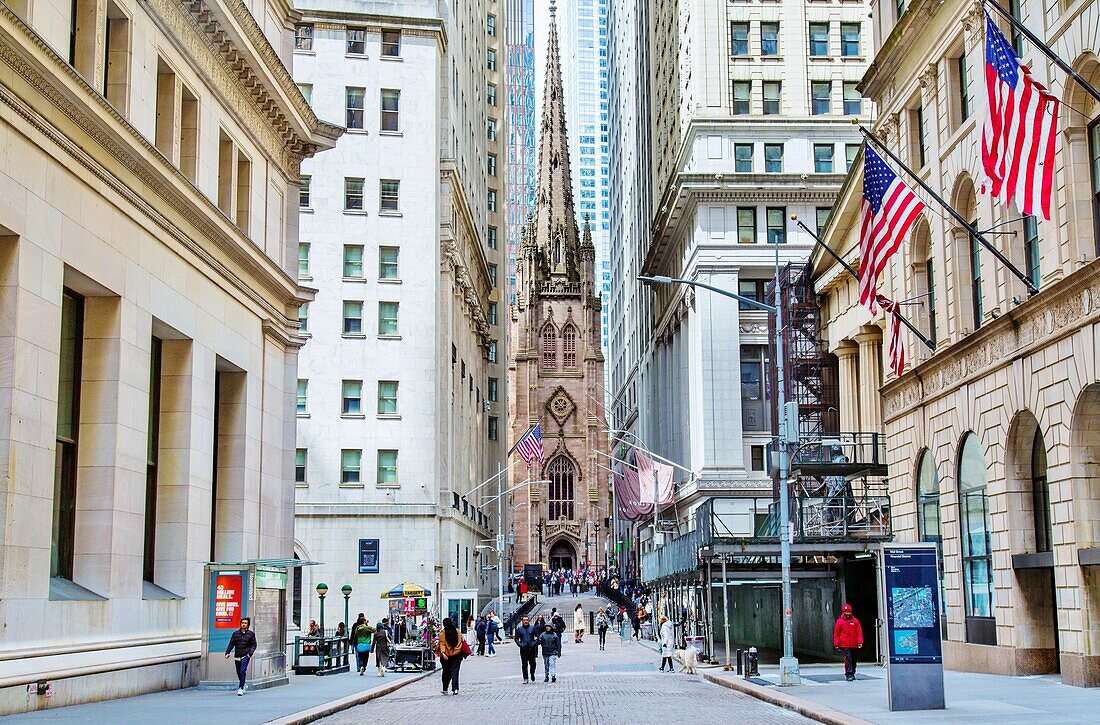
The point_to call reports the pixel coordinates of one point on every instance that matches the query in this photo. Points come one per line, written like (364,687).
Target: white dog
(687,659)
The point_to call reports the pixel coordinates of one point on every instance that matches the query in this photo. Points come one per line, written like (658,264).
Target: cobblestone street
(619,685)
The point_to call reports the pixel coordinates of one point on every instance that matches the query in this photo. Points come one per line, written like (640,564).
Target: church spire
(555,223)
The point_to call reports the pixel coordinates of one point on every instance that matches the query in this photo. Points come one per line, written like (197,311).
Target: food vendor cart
(408,604)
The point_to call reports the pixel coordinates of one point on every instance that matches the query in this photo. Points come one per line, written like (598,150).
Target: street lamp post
(346,591)
(788,663)
(322,590)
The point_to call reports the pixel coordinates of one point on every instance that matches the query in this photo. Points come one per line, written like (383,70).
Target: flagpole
(851,270)
(871,138)
(1047,51)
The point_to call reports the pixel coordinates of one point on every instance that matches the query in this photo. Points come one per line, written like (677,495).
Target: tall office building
(583,36)
(401,389)
(519,81)
(747,123)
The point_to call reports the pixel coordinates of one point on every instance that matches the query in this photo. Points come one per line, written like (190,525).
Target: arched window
(976,544)
(549,348)
(569,346)
(1040,494)
(561,474)
(971,302)
(924,280)
(928,499)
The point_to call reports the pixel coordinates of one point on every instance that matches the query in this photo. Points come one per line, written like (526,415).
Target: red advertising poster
(227,601)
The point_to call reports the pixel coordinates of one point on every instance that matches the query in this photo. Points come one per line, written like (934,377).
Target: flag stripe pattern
(889,209)
(1021,129)
(529,446)
(895,344)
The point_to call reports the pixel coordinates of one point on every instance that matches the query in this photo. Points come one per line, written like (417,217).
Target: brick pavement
(619,685)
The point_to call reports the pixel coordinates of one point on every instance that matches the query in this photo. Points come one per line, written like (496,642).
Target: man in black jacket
(559,626)
(243,645)
(526,638)
(551,650)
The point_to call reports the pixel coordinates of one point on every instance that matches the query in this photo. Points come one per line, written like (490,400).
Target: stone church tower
(557,367)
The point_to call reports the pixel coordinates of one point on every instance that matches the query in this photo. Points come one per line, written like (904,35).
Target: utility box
(232,591)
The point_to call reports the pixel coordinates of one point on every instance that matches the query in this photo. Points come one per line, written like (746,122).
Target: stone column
(847,354)
(870,378)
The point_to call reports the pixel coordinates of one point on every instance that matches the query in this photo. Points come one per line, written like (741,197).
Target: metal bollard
(752,667)
(739,653)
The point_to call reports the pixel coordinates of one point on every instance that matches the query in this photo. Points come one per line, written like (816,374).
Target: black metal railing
(518,613)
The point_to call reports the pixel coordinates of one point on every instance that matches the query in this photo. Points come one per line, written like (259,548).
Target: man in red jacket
(848,637)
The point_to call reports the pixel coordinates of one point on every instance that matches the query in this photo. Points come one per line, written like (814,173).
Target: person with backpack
(361,636)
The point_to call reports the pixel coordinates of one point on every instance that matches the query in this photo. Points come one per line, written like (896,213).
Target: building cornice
(376,23)
(460,250)
(1053,314)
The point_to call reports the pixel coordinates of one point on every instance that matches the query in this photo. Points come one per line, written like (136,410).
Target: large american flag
(1021,129)
(529,445)
(889,209)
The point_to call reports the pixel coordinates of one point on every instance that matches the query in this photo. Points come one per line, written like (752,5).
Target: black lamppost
(346,590)
(322,590)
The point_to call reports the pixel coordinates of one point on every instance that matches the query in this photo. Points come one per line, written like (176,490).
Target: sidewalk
(305,699)
(970,697)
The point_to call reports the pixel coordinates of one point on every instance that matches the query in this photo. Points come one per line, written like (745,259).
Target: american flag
(895,345)
(889,209)
(529,445)
(1021,129)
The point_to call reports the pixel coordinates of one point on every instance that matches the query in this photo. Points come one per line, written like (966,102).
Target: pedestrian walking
(847,638)
(551,650)
(243,645)
(559,627)
(479,631)
(381,645)
(361,635)
(578,624)
(469,628)
(491,629)
(526,638)
(636,624)
(451,648)
(667,644)
(601,629)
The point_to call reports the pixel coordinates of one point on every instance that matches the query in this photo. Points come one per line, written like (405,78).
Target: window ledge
(353,416)
(354,336)
(305,210)
(854,58)
(389,337)
(360,131)
(354,280)
(63,590)
(392,58)
(389,416)
(390,133)
(154,592)
(306,278)
(305,334)
(351,485)
(387,485)
(304,52)
(390,213)
(388,280)
(303,415)
(357,56)
(301,484)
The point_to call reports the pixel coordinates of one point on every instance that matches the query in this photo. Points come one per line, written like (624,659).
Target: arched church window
(561,474)
(569,346)
(549,348)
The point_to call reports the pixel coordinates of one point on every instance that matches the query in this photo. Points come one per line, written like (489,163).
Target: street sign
(911,588)
(368,556)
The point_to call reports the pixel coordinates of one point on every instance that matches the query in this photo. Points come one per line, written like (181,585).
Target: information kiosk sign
(911,585)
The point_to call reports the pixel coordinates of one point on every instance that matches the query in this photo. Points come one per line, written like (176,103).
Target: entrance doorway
(562,556)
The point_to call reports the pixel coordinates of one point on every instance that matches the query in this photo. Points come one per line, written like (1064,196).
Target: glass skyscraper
(520,124)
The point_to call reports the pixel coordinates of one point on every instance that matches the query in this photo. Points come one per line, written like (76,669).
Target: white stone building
(149,157)
(401,394)
(747,123)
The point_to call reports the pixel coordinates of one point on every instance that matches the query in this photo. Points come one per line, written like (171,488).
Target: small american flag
(1021,129)
(895,345)
(889,209)
(529,446)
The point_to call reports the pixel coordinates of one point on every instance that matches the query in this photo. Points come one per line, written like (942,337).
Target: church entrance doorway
(562,556)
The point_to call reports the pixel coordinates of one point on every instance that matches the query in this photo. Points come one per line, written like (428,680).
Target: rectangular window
(756,455)
(823,158)
(976,303)
(742,92)
(164,136)
(300,398)
(754,395)
(491,94)
(244,192)
(491,59)
(357,41)
(769,38)
(351,397)
(303,317)
(492,313)
(387,468)
(853,101)
(301,455)
(491,200)
(822,214)
(772,90)
(493,389)
(63,551)
(353,104)
(306,89)
(152,457)
(353,261)
(1031,249)
(917,125)
(388,193)
(351,462)
(391,43)
(391,103)
(849,40)
(820,92)
(777,225)
(353,194)
(752,289)
(116,69)
(387,397)
(739,38)
(491,129)
(492,238)
(353,318)
(964,88)
(819,39)
(387,318)
(742,157)
(303,191)
(746,225)
(303,37)
(303,260)
(387,262)
(491,25)
(491,356)
(850,152)
(493,275)
(773,158)
(1094,173)
(494,423)
(491,165)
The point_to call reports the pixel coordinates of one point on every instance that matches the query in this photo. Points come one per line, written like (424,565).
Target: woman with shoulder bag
(451,648)
(381,647)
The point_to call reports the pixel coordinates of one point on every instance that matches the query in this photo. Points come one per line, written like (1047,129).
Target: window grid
(353,261)
(353,104)
(569,346)
(391,106)
(387,468)
(549,348)
(388,195)
(353,317)
(777,225)
(387,397)
(351,397)
(746,225)
(388,262)
(353,194)
(357,41)
(391,43)
(351,461)
(387,318)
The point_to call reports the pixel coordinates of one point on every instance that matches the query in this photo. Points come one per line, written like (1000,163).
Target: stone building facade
(149,161)
(557,367)
(992,438)
(402,382)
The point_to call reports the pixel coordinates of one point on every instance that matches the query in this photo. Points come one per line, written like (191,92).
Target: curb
(344,703)
(805,708)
